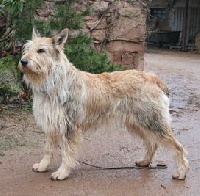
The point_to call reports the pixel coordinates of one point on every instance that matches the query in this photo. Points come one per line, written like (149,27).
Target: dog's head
(41,54)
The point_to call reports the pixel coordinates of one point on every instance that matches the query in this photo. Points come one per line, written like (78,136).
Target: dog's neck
(60,82)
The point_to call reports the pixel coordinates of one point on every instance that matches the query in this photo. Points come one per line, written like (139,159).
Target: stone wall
(116,26)
(119,27)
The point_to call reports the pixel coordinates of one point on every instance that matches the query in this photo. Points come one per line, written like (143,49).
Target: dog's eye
(41,50)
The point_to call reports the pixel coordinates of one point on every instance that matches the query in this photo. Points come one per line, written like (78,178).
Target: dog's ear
(35,33)
(60,39)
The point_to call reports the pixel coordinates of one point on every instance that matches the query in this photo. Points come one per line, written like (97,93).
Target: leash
(157,166)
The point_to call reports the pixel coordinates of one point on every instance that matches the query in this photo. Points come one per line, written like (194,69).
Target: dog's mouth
(26,67)
(33,76)
(22,68)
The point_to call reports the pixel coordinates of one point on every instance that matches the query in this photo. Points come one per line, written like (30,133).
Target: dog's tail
(161,84)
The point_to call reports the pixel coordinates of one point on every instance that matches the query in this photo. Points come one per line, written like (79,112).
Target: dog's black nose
(24,62)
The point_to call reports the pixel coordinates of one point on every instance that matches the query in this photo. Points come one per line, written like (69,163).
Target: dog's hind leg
(178,154)
(149,143)
(51,145)
(69,150)
(150,152)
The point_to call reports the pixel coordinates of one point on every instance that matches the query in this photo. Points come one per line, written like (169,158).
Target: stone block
(125,28)
(93,23)
(120,46)
(100,6)
(98,35)
(130,12)
(129,60)
(91,18)
(129,54)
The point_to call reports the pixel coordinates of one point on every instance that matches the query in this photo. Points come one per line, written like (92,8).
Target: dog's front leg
(51,145)
(69,150)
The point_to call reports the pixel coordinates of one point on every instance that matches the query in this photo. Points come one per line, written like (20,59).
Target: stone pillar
(119,27)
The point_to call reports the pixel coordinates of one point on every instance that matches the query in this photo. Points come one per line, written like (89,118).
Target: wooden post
(185,27)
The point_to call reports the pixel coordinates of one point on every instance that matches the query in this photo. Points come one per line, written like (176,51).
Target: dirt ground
(21,145)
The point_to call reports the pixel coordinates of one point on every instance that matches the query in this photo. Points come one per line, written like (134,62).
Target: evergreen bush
(9,78)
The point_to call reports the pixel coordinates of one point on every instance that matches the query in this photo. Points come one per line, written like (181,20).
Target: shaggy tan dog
(67,102)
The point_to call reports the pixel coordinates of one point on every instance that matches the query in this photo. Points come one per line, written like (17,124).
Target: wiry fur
(67,102)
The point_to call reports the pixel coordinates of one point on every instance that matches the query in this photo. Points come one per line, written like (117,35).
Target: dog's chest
(48,114)
(51,114)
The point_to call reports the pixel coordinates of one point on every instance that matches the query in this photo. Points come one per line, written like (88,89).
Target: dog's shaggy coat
(67,102)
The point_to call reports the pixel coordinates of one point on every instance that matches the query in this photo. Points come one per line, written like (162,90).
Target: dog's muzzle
(24,62)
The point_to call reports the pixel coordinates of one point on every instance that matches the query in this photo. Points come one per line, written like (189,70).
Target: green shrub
(9,77)
(84,58)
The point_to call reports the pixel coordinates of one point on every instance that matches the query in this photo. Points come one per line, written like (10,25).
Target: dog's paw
(179,176)
(58,175)
(143,163)
(180,173)
(38,167)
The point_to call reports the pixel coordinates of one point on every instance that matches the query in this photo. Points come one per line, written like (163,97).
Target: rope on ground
(157,166)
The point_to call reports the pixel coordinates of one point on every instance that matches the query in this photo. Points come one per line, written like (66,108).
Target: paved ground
(21,146)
